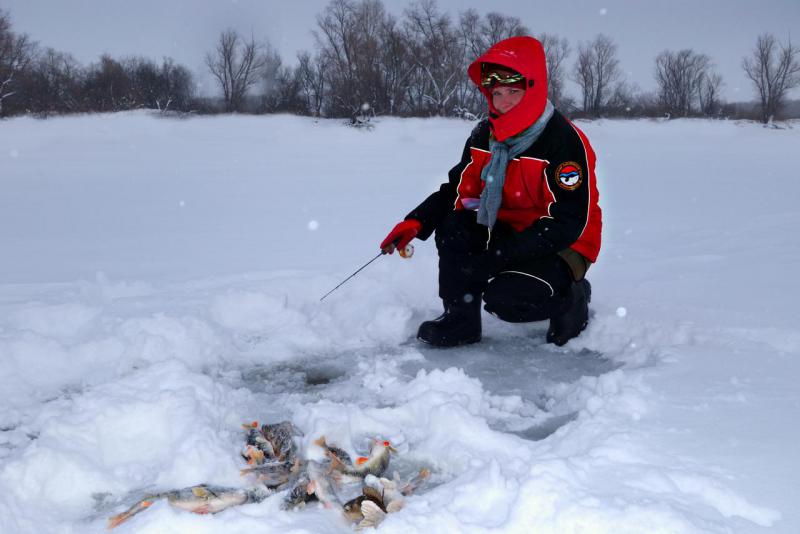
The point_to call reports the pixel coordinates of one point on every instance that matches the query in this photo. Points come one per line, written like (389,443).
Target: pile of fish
(357,488)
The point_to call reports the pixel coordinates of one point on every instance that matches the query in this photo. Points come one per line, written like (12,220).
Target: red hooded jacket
(526,56)
(550,194)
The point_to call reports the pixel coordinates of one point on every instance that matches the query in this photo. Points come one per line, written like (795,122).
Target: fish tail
(116,520)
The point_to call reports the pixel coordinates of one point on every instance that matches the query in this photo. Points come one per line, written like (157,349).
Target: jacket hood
(526,56)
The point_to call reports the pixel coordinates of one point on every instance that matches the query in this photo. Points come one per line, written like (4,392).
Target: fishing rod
(405,252)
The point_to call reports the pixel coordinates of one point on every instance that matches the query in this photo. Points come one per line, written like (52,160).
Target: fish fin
(373,494)
(394,506)
(409,488)
(361,460)
(372,513)
(248,426)
(311,487)
(321,442)
(200,491)
(253,455)
(202,509)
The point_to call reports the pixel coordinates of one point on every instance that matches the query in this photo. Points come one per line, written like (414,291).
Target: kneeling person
(518,222)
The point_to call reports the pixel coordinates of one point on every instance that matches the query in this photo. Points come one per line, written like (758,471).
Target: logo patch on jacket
(569,175)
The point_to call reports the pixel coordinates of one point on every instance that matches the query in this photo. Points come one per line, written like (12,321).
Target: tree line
(367,62)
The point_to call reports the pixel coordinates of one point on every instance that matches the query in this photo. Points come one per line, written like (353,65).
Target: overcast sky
(186,29)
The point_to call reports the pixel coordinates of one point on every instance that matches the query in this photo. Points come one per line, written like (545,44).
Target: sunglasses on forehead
(487,80)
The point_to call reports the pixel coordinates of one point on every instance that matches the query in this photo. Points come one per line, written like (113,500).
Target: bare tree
(497,27)
(679,75)
(283,86)
(287,94)
(606,67)
(273,76)
(623,99)
(397,64)
(349,41)
(311,72)
(556,50)
(16,53)
(107,86)
(438,56)
(774,69)
(596,69)
(709,94)
(478,34)
(471,33)
(237,65)
(54,83)
(176,87)
(585,76)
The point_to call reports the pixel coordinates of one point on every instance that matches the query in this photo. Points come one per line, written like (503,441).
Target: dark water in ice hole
(507,365)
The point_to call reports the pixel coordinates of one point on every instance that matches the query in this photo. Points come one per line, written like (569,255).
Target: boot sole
(446,344)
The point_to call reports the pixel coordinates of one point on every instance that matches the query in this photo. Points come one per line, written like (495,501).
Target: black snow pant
(522,291)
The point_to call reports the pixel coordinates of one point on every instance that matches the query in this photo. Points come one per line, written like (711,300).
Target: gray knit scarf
(494,174)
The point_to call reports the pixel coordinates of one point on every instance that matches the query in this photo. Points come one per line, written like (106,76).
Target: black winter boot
(458,325)
(572,322)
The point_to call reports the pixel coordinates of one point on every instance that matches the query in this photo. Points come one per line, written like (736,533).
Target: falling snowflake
(621,312)
(603,12)
(313,225)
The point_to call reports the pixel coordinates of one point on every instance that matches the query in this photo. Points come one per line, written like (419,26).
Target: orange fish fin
(117,520)
(361,460)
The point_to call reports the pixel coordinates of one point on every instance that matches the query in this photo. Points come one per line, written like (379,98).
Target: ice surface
(161,284)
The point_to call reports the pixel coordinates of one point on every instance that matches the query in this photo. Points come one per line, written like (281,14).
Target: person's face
(505,98)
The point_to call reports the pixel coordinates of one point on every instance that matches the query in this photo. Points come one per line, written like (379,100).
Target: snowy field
(160,284)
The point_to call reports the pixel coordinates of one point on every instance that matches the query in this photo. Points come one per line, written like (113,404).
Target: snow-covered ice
(160,285)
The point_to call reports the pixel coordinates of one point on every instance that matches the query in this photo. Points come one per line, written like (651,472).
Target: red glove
(402,234)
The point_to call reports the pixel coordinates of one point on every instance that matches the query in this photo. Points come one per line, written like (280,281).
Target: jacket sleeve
(434,208)
(569,175)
